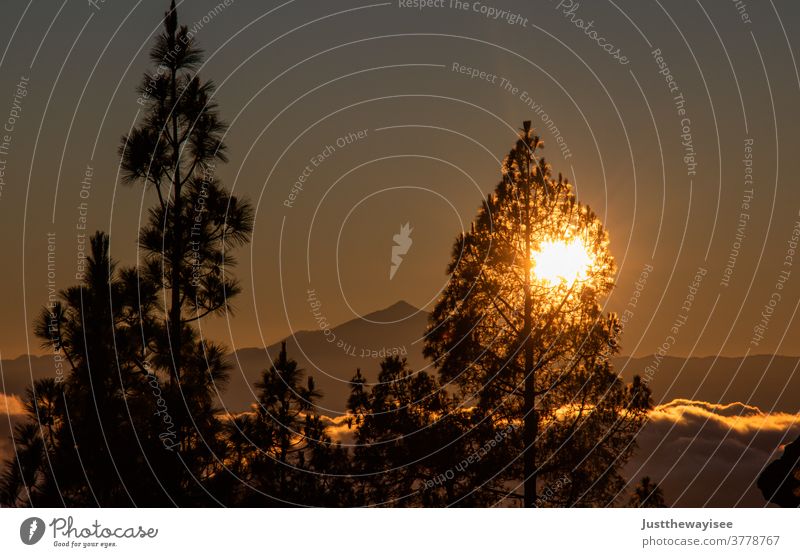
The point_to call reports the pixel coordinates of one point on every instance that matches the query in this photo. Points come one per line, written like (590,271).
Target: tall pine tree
(520,329)
(186,244)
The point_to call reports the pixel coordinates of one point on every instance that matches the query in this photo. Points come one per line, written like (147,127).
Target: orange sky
(370,101)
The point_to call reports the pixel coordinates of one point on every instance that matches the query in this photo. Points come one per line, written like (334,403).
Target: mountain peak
(398,310)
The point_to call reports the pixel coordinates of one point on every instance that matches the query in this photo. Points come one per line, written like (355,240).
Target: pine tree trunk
(530,425)
(530,421)
(177,254)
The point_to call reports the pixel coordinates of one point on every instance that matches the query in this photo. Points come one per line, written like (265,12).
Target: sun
(561,261)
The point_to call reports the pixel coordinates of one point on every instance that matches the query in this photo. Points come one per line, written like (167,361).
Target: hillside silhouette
(367,340)
(770,382)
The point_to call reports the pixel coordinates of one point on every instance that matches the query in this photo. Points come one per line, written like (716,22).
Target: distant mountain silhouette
(772,383)
(333,357)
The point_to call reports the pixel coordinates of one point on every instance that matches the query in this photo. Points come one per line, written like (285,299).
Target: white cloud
(707,454)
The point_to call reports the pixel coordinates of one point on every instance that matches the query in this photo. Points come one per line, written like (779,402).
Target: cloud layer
(710,455)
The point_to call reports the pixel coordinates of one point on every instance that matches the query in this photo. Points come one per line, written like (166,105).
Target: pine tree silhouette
(88,434)
(647,495)
(135,420)
(535,352)
(413,442)
(187,244)
(282,448)
(779,482)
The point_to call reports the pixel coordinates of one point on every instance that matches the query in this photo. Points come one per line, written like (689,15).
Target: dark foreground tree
(779,482)
(90,432)
(135,420)
(186,244)
(520,330)
(401,442)
(647,495)
(281,449)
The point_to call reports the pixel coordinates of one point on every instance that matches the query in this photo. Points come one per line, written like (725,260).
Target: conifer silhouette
(779,482)
(135,419)
(187,243)
(647,495)
(536,353)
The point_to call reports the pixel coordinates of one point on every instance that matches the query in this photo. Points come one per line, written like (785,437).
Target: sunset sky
(373,105)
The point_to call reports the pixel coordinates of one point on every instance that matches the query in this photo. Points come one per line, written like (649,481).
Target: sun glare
(560,261)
